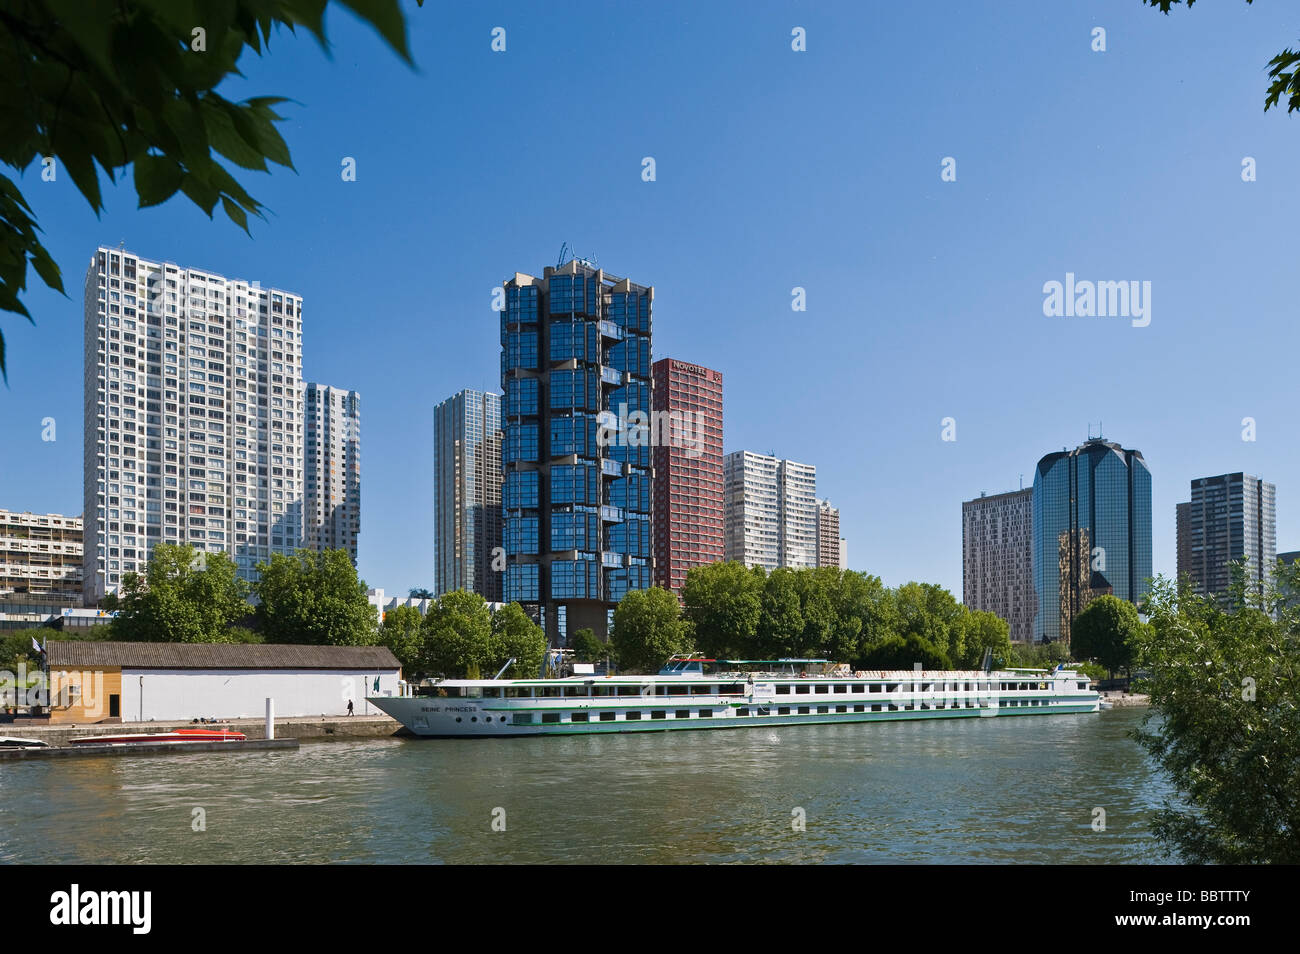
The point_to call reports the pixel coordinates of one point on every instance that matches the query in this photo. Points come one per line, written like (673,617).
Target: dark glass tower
(1092,531)
(575,359)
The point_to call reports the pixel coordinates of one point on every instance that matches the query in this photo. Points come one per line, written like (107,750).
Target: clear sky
(775,169)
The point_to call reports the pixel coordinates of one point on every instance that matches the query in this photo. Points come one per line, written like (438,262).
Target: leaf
(386,17)
(236,214)
(157,178)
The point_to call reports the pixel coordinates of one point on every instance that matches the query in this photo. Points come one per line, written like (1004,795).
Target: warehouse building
(142,682)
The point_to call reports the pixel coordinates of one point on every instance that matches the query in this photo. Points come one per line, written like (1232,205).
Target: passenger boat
(692,692)
(179,736)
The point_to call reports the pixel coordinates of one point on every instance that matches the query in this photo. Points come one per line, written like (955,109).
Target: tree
(931,613)
(723,604)
(314,597)
(516,636)
(865,614)
(457,634)
(1106,630)
(1281,68)
(182,597)
(983,630)
(647,629)
(780,627)
(133,83)
(587,647)
(419,593)
(895,652)
(1224,686)
(401,632)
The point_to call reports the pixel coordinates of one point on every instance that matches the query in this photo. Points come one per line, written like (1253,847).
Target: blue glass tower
(575,349)
(1092,531)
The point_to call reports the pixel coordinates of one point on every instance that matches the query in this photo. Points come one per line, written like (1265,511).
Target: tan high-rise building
(830,550)
(997,559)
(771,511)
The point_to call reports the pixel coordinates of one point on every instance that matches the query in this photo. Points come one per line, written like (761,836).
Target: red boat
(180,735)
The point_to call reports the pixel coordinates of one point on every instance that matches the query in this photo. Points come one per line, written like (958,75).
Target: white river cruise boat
(692,692)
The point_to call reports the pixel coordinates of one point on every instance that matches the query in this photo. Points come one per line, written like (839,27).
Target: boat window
(550,717)
(841,688)
(703,690)
(659,713)
(607,717)
(742,711)
(876,687)
(518,692)
(679,690)
(473,692)
(822,710)
(706,713)
(821,690)
(548,692)
(491,692)
(631,716)
(522,718)
(859,708)
(803,710)
(875,707)
(764,710)
(737,689)
(602,690)
(782,689)
(629,691)
(841,708)
(578,717)
(801,690)
(1083,685)
(683,714)
(783,710)
(571,691)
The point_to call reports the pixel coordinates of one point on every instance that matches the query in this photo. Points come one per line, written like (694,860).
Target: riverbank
(302,728)
(1125,699)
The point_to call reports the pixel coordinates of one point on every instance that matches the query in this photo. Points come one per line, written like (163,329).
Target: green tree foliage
(91,83)
(182,597)
(896,652)
(401,632)
(648,628)
(723,604)
(1106,630)
(781,623)
(1225,725)
(587,647)
(982,630)
(315,598)
(932,614)
(1282,71)
(515,635)
(457,635)
(419,593)
(865,613)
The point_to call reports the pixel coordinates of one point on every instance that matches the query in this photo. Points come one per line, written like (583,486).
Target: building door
(114,706)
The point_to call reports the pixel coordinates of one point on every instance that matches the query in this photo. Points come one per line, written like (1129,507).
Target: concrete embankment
(1122,699)
(303,728)
(151,748)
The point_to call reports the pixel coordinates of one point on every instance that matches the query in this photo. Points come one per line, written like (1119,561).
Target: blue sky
(775,169)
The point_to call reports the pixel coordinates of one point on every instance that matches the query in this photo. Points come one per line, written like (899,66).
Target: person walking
(349,707)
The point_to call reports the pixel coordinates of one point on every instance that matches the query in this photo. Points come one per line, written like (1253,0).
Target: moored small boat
(13,742)
(179,736)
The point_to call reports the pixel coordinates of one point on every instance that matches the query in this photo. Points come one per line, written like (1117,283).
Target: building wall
(241,694)
(467,493)
(575,368)
(332,469)
(688,488)
(92,701)
(192,416)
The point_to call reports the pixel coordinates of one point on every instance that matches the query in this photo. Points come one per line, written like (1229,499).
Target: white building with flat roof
(771,515)
(193,406)
(332,469)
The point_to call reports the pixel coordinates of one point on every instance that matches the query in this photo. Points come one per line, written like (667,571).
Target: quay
(154,748)
(287,728)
